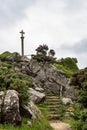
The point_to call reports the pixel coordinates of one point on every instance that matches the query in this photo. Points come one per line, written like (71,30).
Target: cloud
(78,48)
(53,22)
(12,10)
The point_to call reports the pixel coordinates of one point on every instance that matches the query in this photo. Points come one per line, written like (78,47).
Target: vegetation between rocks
(41,124)
(67,65)
(9,79)
(76,114)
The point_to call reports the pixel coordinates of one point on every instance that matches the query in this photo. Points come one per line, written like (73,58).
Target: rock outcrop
(66,101)
(45,78)
(50,78)
(31,111)
(2,94)
(9,102)
(9,108)
(36,96)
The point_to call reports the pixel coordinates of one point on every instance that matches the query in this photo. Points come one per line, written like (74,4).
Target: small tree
(51,52)
(42,49)
(75,60)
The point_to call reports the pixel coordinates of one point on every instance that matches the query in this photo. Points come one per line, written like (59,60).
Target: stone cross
(22,42)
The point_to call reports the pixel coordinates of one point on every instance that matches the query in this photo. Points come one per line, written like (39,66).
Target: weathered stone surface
(29,123)
(31,111)
(52,87)
(25,59)
(1,99)
(36,96)
(10,110)
(39,89)
(70,92)
(1,102)
(50,77)
(66,101)
(17,69)
(14,57)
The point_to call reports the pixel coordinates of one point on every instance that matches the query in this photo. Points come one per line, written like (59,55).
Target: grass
(70,64)
(74,119)
(67,65)
(67,71)
(43,107)
(5,54)
(41,124)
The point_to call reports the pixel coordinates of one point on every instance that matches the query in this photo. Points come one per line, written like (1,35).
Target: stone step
(53,100)
(54,117)
(49,94)
(53,112)
(52,108)
(50,98)
(53,103)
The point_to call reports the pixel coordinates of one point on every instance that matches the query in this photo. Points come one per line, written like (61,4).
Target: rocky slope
(45,77)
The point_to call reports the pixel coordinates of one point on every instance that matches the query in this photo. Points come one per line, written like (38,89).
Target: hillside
(43,90)
(68,65)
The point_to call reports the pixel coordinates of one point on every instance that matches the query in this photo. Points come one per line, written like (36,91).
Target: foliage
(67,71)
(83,98)
(75,60)
(51,52)
(69,63)
(84,115)
(82,122)
(42,49)
(15,80)
(43,58)
(4,55)
(41,124)
(43,54)
(79,79)
(44,109)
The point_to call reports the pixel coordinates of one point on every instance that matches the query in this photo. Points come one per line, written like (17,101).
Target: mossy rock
(4,55)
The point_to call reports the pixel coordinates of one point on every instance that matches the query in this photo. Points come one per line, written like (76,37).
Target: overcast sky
(61,24)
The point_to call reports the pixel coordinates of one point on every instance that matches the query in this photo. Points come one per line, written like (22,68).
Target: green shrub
(43,58)
(83,98)
(41,124)
(84,115)
(4,55)
(17,81)
(70,63)
(84,127)
(67,65)
(67,71)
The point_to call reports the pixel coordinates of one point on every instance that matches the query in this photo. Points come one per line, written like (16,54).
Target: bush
(84,115)
(83,98)
(67,71)
(43,58)
(84,127)
(17,81)
(4,55)
(69,63)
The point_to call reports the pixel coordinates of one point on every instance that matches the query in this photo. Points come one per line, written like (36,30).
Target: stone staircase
(53,102)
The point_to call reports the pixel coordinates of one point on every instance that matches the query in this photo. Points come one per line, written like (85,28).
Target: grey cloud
(75,7)
(78,48)
(75,4)
(12,10)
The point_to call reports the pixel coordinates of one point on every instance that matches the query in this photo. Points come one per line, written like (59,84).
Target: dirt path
(58,125)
